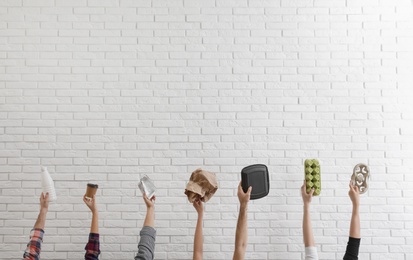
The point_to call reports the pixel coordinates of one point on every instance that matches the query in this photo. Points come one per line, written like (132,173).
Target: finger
(312,192)
(249,190)
(357,189)
(240,187)
(86,200)
(47,196)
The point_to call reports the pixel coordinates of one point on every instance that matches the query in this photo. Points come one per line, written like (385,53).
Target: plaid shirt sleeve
(92,247)
(32,251)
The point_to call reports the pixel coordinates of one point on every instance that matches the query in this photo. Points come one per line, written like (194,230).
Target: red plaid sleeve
(32,251)
(92,247)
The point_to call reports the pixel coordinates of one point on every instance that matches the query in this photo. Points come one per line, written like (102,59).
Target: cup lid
(92,185)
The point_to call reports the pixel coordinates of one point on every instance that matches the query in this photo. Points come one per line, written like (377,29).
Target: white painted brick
(211,84)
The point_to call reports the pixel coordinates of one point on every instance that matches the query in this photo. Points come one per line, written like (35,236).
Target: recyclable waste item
(48,184)
(91,190)
(257,176)
(312,176)
(361,177)
(146,186)
(202,186)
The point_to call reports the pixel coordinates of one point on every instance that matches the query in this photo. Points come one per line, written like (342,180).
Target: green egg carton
(312,176)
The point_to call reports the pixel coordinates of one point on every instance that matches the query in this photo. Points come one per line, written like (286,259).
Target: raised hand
(306,196)
(91,203)
(354,194)
(243,198)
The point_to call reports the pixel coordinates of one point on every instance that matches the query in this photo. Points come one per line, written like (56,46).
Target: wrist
(43,211)
(244,205)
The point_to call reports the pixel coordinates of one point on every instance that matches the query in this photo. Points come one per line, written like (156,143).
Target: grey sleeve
(146,246)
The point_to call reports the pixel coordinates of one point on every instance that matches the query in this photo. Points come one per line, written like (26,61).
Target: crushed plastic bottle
(146,186)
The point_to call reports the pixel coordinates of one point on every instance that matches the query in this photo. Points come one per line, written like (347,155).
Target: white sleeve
(311,253)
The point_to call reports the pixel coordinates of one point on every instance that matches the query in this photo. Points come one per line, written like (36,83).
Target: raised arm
(354,195)
(353,244)
(33,248)
(150,211)
(307,227)
(241,235)
(198,238)
(91,204)
(309,243)
(146,246)
(93,246)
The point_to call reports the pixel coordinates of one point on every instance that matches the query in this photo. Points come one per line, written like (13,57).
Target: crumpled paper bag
(202,185)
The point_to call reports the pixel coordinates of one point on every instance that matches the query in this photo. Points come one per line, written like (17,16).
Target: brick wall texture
(110,90)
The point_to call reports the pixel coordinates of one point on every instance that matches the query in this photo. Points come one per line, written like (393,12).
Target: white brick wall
(108,90)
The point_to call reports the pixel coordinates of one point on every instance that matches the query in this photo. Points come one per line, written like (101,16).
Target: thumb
(312,192)
(304,188)
(249,190)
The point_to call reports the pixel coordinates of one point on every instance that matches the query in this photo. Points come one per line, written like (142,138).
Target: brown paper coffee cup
(91,190)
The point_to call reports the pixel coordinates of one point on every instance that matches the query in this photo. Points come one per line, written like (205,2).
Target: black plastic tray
(257,176)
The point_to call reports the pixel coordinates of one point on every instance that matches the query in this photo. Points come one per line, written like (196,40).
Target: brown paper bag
(202,185)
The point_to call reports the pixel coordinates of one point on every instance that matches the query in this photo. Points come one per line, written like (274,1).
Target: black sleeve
(352,251)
